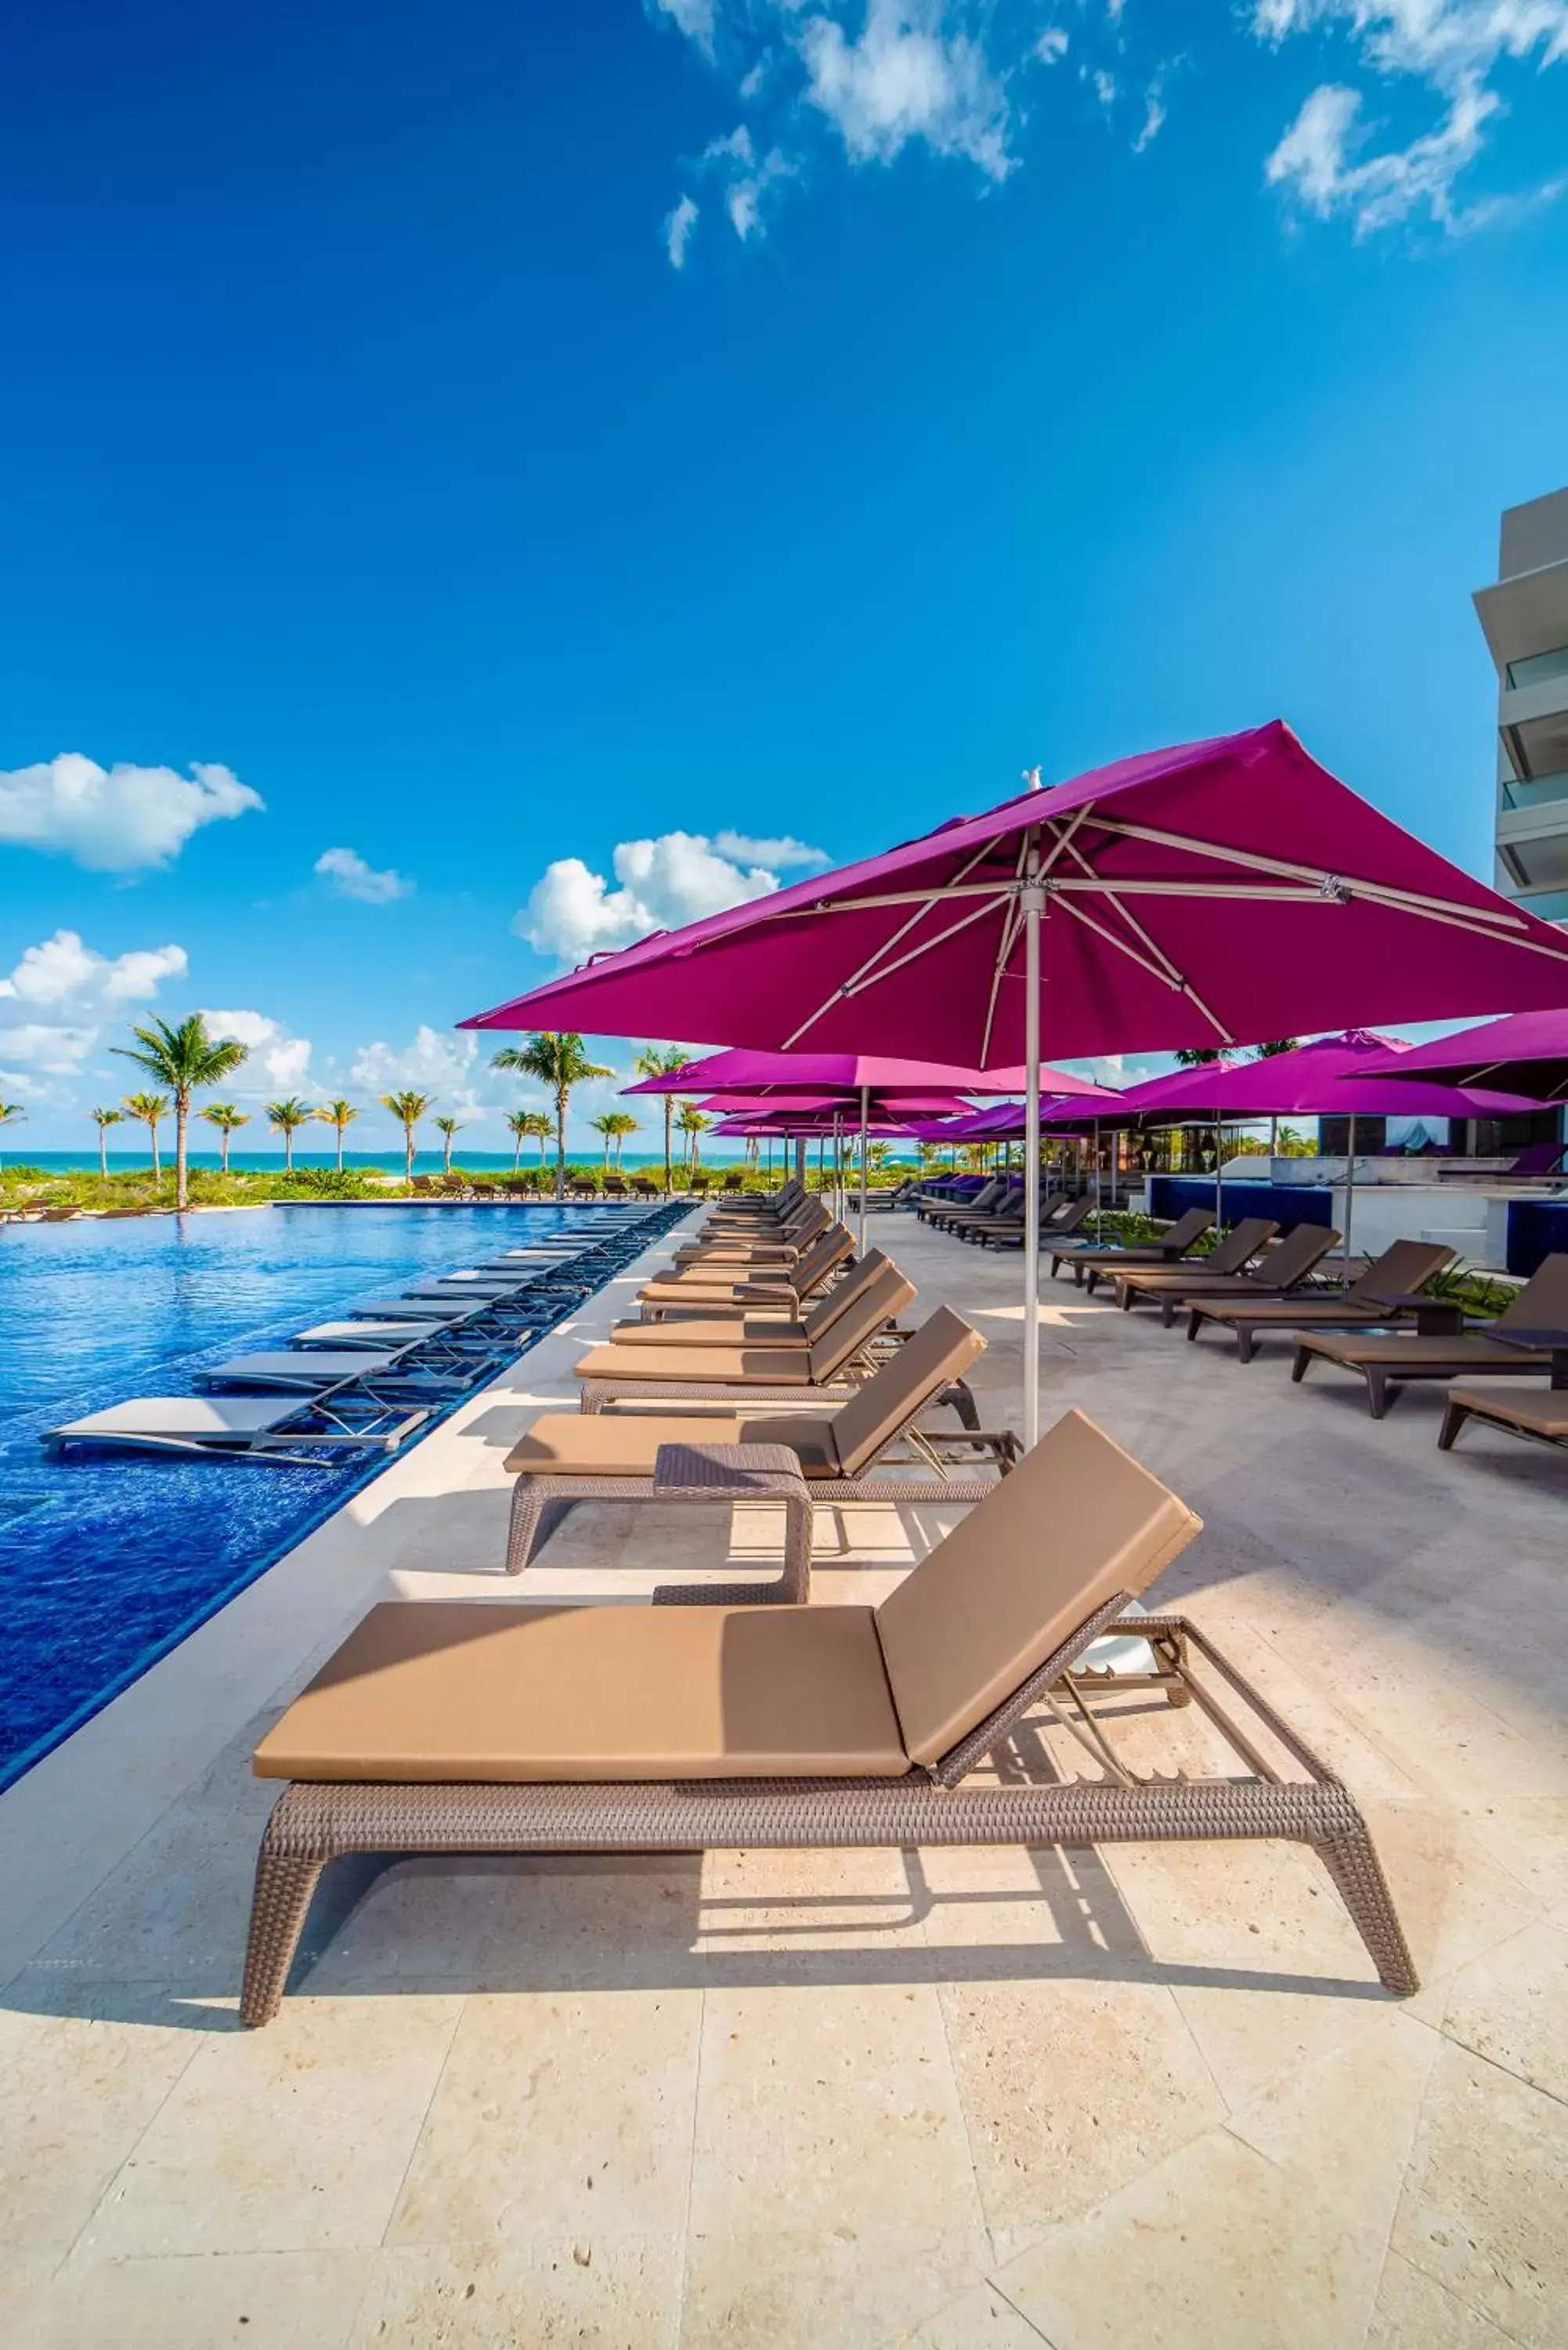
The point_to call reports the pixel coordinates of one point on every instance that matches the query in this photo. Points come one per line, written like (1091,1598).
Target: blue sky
(478,482)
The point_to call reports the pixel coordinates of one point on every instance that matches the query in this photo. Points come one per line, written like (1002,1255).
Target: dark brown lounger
(471,1727)
(1396,1275)
(1386,1361)
(1231,1252)
(1284,1267)
(1067,1216)
(1539,1413)
(1090,1261)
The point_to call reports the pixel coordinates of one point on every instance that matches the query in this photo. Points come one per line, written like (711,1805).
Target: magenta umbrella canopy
(1004,1121)
(1528,1051)
(1216,893)
(890,1105)
(753,1072)
(1336,1077)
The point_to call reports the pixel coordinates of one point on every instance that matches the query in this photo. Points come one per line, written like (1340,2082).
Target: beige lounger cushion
(1008,1585)
(626,1444)
(940,1350)
(1354,1351)
(740,1330)
(756,1366)
(1542,1410)
(461,1690)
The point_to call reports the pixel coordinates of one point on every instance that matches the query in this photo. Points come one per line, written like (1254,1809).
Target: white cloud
(678,227)
(745,848)
(280,1059)
(346,874)
(911,75)
(1052,46)
(1454,47)
(1153,115)
(118,819)
(63,967)
(442,1066)
(693,17)
(49,1050)
(681,877)
(747,177)
(1105,86)
(1316,162)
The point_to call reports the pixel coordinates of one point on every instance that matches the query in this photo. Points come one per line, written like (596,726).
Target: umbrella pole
(1219,1185)
(1034,907)
(1099,1188)
(1349,1190)
(865,1122)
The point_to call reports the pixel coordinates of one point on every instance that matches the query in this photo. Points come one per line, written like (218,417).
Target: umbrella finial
(1031,777)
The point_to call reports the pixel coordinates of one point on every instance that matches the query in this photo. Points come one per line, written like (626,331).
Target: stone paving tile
(597,2291)
(223,2300)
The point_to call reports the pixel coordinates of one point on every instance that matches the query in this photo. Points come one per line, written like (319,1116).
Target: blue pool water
(106,1560)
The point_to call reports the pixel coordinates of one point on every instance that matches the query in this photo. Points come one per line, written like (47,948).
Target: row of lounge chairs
(1386,1326)
(744,1719)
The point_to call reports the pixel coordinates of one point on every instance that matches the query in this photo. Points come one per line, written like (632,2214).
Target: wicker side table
(689,1472)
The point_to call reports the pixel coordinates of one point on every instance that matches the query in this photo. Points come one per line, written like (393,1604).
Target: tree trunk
(340,1134)
(408,1154)
(224,1149)
(516,1151)
(561,1142)
(157,1163)
(103,1154)
(288,1149)
(669,1115)
(446,1155)
(182,1113)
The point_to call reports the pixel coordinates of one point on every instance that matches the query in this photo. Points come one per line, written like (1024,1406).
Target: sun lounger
(693,1292)
(725,1373)
(942,1212)
(271,1428)
(1281,1269)
(742,1324)
(1541,1412)
(1089,1260)
(1235,1250)
(1387,1290)
(1386,1361)
(370,1336)
(471,1727)
(784,1246)
(421,1308)
(302,1373)
(862,1451)
(1008,1231)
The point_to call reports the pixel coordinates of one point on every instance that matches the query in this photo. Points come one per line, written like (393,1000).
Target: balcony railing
(1549,905)
(1537,669)
(1523,792)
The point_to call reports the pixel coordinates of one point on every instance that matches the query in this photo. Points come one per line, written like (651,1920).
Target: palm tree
(560,1063)
(662,1061)
(288,1117)
(619,1123)
(408,1109)
(693,1125)
(226,1118)
(149,1109)
(341,1114)
(184,1059)
(605,1129)
(448,1130)
(105,1119)
(523,1123)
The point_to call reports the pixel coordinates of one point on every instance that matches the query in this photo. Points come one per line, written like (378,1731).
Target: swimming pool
(106,1561)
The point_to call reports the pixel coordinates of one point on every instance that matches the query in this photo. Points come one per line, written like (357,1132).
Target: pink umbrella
(811,1072)
(1333,1076)
(1213,894)
(1529,1050)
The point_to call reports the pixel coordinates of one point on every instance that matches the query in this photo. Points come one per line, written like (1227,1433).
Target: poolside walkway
(964,2100)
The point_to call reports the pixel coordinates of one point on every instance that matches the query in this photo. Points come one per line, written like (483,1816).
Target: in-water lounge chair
(305,1372)
(262,1427)
(1090,1260)
(746,1373)
(472,1727)
(1230,1254)
(1387,1290)
(744,1322)
(1387,1360)
(862,1451)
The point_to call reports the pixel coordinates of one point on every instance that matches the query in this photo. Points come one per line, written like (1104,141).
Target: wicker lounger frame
(735,1473)
(313,1823)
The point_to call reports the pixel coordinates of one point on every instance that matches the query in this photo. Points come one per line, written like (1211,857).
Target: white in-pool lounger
(445,1310)
(260,1427)
(305,1372)
(371,1337)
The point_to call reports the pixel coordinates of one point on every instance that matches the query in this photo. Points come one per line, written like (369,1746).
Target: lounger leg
(1299,1368)
(1454,1418)
(1194,1322)
(1353,1863)
(1246,1340)
(285,1883)
(1169,1309)
(1376,1389)
(522,1528)
(961,1396)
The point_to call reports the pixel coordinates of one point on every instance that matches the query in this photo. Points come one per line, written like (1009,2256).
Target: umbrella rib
(923,901)
(1177,977)
(858,986)
(1133,923)
(1416,900)
(1171,979)
(1011,922)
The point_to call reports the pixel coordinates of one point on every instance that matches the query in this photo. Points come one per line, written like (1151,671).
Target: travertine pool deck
(965,2100)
